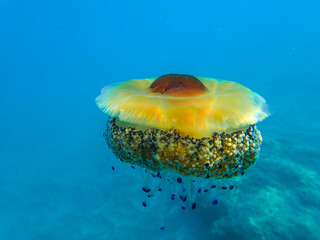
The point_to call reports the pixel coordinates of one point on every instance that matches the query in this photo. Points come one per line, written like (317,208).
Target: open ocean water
(56,180)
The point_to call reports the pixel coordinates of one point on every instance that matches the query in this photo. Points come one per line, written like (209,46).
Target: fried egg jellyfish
(185,131)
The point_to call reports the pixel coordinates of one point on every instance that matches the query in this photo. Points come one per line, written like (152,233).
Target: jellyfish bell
(186,129)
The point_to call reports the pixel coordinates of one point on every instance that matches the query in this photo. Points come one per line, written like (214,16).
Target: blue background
(55,169)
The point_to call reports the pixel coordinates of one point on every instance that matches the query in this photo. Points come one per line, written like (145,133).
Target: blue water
(56,180)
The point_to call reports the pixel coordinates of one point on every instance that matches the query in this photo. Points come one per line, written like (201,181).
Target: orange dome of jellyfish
(186,127)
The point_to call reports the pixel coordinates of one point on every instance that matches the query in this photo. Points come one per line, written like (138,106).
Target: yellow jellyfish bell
(195,126)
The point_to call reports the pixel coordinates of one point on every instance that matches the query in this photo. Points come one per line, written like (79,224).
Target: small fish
(214,202)
(183,198)
(146,189)
(173,196)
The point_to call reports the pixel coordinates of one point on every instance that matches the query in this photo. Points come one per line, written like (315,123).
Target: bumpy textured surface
(219,156)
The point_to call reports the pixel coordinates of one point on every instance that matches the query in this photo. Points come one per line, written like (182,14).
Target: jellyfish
(185,131)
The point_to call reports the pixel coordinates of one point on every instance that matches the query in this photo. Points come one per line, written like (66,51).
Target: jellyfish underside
(182,128)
